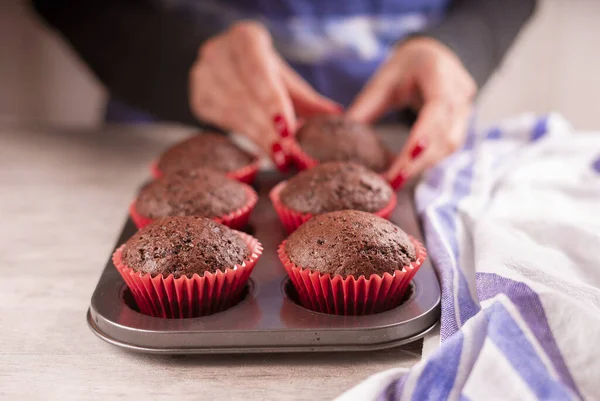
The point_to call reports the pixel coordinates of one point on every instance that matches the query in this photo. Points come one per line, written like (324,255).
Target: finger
(430,142)
(376,97)
(256,64)
(446,103)
(397,174)
(201,84)
(372,102)
(252,123)
(218,59)
(224,102)
(271,100)
(307,102)
(445,145)
(433,121)
(227,76)
(406,173)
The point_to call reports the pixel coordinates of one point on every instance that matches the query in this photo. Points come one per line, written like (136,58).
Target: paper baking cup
(301,159)
(292,219)
(238,219)
(351,296)
(194,296)
(245,174)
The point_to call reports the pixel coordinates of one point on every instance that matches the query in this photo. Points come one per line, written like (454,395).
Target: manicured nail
(399,181)
(281,126)
(279,157)
(339,109)
(299,123)
(418,149)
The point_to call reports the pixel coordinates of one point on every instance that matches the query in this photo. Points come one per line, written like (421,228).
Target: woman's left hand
(425,75)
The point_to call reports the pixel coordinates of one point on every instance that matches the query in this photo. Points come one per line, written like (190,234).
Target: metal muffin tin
(268,319)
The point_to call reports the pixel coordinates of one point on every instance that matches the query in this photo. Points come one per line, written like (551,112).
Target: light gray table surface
(63,199)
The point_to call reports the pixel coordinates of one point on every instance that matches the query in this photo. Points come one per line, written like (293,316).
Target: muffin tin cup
(238,219)
(246,174)
(350,296)
(187,297)
(292,219)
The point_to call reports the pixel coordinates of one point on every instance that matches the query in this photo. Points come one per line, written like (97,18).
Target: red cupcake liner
(245,174)
(351,296)
(301,159)
(238,219)
(186,297)
(292,219)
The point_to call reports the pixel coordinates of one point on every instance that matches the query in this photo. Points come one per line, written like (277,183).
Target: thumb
(306,100)
(374,99)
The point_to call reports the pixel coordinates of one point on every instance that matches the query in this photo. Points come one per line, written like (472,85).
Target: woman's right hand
(241,84)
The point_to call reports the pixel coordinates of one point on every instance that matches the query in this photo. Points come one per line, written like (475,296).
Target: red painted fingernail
(339,109)
(399,181)
(418,149)
(281,126)
(279,157)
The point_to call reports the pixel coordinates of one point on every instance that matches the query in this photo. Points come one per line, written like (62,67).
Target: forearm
(480,32)
(140,50)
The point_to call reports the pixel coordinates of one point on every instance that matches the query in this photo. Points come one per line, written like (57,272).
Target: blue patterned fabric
(512,226)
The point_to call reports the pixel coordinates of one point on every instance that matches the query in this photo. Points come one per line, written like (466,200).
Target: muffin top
(335,186)
(350,242)
(336,138)
(206,150)
(199,192)
(183,246)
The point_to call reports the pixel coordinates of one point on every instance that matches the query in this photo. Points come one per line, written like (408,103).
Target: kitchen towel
(512,225)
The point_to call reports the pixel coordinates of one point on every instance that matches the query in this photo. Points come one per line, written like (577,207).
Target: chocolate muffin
(206,150)
(199,192)
(184,246)
(350,242)
(336,138)
(336,186)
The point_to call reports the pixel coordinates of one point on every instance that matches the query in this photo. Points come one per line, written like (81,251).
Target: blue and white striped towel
(512,223)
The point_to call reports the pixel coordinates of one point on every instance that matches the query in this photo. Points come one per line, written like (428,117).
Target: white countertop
(63,200)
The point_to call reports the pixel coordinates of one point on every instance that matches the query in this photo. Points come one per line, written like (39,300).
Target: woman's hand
(241,84)
(423,74)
